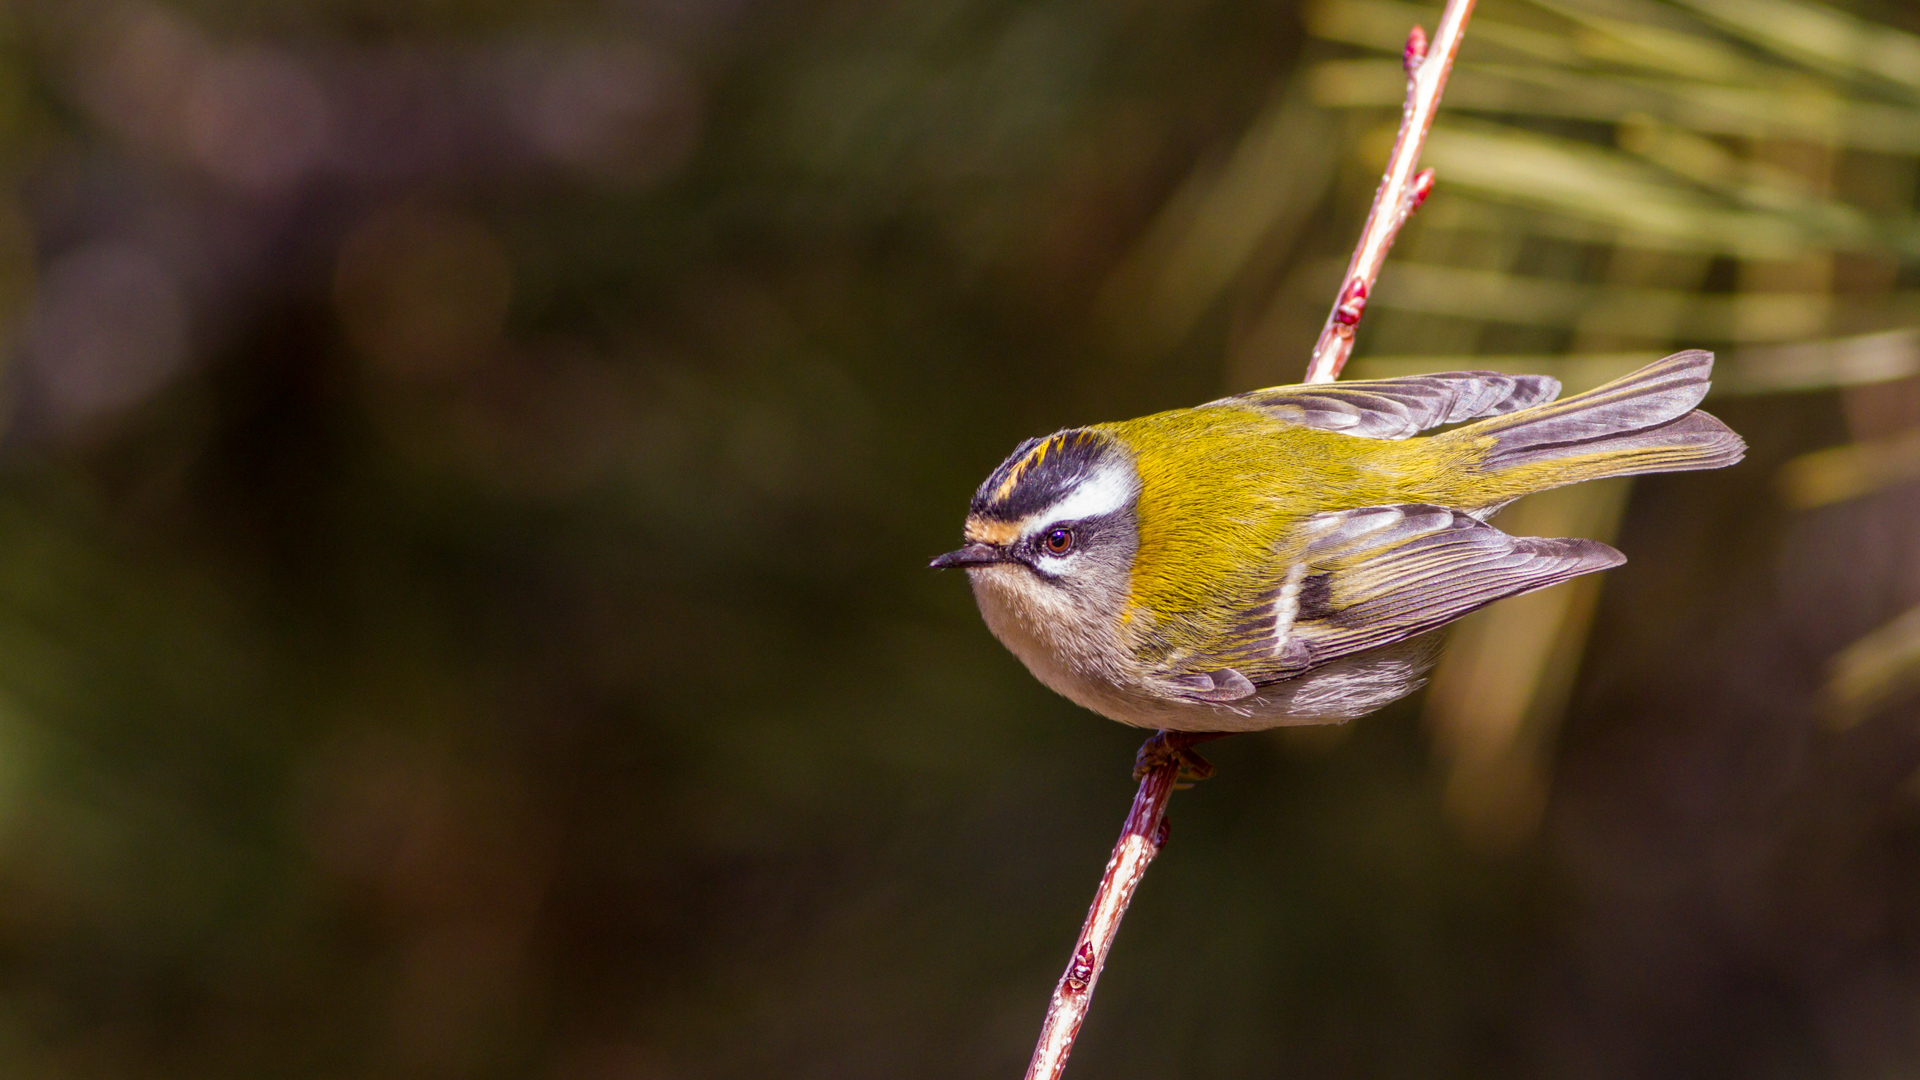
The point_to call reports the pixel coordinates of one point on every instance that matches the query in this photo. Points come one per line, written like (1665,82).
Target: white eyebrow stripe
(1110,489)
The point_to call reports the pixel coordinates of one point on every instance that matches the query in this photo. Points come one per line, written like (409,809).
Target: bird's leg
(1165,746)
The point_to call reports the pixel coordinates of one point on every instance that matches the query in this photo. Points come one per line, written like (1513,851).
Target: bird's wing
(1374,576)
(1397,408)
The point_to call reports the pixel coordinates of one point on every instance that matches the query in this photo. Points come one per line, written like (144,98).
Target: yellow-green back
(1222,487)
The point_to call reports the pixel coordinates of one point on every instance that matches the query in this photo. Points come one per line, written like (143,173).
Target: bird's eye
(1058,541)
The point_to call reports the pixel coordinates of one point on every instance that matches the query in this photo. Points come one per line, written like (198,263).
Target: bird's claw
(1171,746)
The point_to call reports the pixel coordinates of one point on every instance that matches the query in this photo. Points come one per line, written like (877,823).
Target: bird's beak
(975,554)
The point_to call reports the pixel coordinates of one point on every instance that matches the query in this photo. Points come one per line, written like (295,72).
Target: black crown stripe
(1039,473)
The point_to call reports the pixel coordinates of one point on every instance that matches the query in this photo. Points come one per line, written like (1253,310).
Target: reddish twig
(1401,193)
(1402,190)
(1140,841)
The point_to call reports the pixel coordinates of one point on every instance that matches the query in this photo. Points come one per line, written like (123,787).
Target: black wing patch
(1397,408)
(1378,575)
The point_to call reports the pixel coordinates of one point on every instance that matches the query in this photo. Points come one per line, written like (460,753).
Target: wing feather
(1398,408)
(1379,575)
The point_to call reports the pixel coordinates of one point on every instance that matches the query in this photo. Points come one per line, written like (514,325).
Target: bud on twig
(1080,972)
(1353,303)
(1422,187)
(1417,192)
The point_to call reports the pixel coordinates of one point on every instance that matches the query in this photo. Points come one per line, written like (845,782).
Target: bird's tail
(1640,423)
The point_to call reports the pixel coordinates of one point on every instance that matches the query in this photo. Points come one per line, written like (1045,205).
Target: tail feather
(1695,441)
(1663,390)
(1642,423)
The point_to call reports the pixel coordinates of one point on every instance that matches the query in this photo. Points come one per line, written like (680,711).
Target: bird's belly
(1345,688)
(1063,648)
(1333,693)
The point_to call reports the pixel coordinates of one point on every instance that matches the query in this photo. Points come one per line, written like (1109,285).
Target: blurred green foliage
(470,465)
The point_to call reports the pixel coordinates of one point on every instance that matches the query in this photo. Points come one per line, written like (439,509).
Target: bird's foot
(1174,746)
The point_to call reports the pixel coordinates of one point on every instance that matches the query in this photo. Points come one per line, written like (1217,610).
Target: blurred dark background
(469,467)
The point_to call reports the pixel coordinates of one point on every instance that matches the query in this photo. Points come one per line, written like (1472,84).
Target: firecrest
(1278,557)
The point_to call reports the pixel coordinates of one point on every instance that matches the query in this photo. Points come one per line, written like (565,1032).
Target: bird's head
(1055,522)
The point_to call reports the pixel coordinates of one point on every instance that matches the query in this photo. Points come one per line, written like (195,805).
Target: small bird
(1278,557)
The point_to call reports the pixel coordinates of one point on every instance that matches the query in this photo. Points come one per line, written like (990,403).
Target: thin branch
(1401,193)
(1140,841)
(1402,190)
